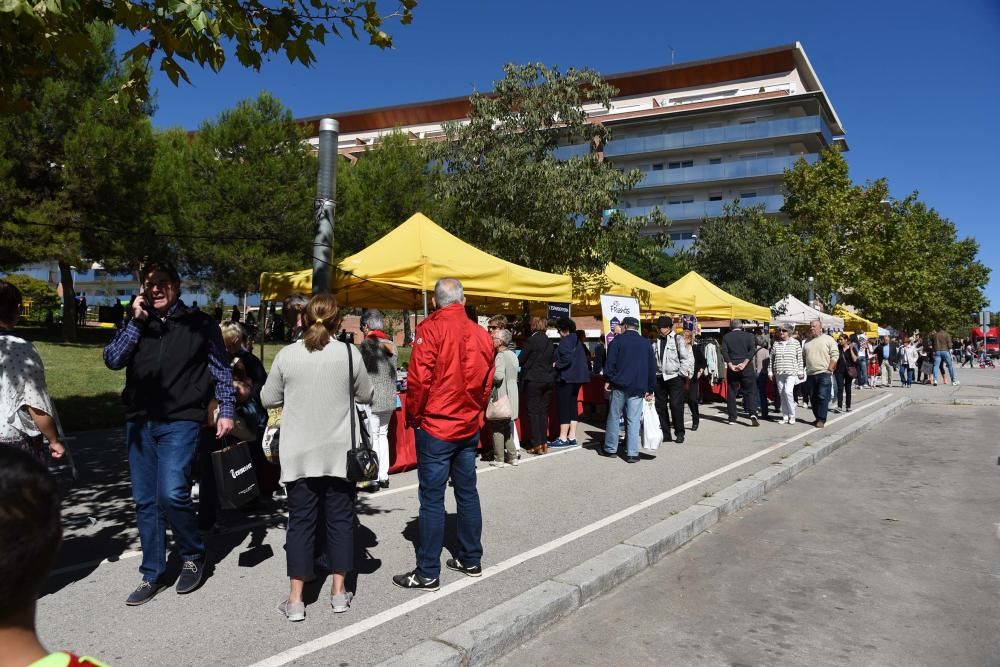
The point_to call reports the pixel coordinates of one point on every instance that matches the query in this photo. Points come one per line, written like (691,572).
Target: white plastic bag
(652,434)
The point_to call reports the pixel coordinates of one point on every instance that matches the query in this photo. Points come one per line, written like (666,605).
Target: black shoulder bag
(362,461)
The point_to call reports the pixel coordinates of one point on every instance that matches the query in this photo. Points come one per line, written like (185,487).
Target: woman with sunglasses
(787,370)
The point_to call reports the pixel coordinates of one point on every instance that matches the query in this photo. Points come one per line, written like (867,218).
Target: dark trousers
(762,393)
(566,401)
(669,396)
(843,386)
(309,499)
(820,398)
(692,398)
(747,381)
(536,397)
(436,461)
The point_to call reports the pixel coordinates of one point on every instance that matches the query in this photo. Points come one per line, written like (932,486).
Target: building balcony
(706,209)
(727,134)
(726,171)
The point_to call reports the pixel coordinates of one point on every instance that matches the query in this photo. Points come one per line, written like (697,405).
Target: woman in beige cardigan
(309,380)
(504,384)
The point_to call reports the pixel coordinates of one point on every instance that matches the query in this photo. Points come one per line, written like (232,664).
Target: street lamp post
(811,295)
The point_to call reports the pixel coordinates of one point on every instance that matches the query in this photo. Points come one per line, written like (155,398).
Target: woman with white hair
(504,385)
(379,354)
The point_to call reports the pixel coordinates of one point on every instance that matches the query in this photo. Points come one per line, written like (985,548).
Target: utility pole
(326,195)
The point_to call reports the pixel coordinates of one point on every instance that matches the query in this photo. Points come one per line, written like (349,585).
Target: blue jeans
(822,383)
(862,366)
(632,404)
(906,375)
(160,456)
(436,461)
(946,356)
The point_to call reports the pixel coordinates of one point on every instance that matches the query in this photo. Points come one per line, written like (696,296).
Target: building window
(681,199)
(715,196)
(681,164)
(747,195)
(658,166)
(757,155)
(715,160)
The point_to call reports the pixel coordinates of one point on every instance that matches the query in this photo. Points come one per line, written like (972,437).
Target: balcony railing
(706,209)
(772,166)
(772,129)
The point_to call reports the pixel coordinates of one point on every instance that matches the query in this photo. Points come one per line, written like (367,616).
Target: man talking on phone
(174,359)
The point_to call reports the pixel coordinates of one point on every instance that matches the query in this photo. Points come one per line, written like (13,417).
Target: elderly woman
(27,411)
(787,369)
(504,384)
(310,380)
(379,354)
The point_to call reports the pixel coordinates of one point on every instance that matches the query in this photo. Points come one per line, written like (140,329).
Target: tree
(42,297)
(390,182)
(250,207)
(652,262)
(33,34)
(510,194)
(74,169)
(749,255)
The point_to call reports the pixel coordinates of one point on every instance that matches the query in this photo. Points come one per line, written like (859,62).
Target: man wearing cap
(631,373)
(674,368)
(738,349)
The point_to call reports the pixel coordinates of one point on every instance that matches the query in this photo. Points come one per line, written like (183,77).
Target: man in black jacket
(738,350)
(537,376)
(888,359)
(174,358)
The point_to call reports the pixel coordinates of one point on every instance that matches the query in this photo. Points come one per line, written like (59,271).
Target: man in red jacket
(448,385)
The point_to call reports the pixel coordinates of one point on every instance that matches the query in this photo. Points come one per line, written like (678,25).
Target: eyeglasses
(160,284)
(493,328)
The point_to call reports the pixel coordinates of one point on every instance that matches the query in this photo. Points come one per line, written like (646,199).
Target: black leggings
(843,385)
(566,395)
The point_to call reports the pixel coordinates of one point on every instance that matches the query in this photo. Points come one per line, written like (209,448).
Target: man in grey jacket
(674,368)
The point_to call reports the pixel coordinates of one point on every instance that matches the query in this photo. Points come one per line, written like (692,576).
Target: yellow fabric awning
(588,288)
(714,303)
(853,323)
(277,286)
(393,272)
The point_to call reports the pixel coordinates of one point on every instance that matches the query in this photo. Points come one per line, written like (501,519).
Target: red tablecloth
(402,441)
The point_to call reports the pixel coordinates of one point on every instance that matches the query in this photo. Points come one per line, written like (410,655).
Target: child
(30,534)
(873,372)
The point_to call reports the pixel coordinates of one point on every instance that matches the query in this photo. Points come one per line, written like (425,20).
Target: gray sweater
(315,424)
(505,379)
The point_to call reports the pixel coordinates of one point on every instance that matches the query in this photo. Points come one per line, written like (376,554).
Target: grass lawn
(86,393)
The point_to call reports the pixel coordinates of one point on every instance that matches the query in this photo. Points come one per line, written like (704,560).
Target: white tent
(795,312)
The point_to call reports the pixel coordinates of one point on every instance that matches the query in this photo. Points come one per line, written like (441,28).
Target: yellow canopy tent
(714,303)
(854,323)
(588,288)
(394,271)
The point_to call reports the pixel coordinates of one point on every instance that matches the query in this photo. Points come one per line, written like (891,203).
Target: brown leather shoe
(544,449)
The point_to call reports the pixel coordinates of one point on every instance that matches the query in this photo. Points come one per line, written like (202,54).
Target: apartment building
(703,133)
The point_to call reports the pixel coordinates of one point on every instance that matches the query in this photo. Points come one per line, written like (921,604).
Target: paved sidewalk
(885,553)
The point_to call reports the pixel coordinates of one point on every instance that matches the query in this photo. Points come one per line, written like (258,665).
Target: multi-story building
(703,133)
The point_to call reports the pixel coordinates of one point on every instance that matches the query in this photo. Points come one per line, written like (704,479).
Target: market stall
(854,323)
(797,313)
(714,303)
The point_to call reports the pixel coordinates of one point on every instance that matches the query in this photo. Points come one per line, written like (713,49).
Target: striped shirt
(786,357)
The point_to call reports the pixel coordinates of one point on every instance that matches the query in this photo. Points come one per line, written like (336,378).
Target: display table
(402,439)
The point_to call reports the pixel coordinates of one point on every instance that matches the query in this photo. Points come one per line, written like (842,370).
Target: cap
(630,322)
(663,322)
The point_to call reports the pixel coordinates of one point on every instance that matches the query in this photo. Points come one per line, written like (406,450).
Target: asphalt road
(540,518)
(885,553)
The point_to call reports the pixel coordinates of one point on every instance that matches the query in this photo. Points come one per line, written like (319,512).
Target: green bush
(38,293)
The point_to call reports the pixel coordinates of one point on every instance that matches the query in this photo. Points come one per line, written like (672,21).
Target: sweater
(818,354)
(505,379)
(381,367)
(786,357)
(315,424)
(537,355)
(737,346)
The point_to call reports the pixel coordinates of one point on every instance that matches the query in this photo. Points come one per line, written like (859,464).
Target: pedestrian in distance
(674,368)
(762,369)
(572,372)
(887,353)
(787,370)
(505,388)
(820,355)
(862,351)
(537,378)
(942,356)
(693,394)
(173,357)
(737,351)
(312,381)
(449,384)
(908,359)
(844,373)
(380,356)
(30,533)
(631,378)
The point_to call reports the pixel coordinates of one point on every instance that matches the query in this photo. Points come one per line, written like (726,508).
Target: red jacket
(450,376)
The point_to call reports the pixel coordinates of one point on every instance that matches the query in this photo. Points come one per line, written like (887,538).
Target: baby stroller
(985,360)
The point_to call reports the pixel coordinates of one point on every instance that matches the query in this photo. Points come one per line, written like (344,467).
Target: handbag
(498,409)
(272,436)
(362,461)
(235,478)
(852,371)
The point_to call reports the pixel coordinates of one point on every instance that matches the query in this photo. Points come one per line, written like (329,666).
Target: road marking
(333,638)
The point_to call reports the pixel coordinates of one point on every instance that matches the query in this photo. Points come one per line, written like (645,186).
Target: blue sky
(915,83)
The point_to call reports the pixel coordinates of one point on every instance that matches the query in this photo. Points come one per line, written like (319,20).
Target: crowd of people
(193,387)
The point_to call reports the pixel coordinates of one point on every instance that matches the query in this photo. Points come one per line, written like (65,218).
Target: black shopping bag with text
(235,478)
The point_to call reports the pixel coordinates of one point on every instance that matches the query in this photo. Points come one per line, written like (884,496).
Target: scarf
(377,333)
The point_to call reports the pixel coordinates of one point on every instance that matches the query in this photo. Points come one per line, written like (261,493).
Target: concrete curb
(491,634)
(972,400)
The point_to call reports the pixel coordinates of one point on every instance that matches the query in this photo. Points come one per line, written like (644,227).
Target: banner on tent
(558,310)
(615,308)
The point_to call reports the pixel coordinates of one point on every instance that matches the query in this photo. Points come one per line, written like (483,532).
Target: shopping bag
(652,434)
(235,478)
(272,435)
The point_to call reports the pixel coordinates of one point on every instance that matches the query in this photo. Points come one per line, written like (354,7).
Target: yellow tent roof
(588,288)
(854,322)
(277,286)
(393,271)
(714,303)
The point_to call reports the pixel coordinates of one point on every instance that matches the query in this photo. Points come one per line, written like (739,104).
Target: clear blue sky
(915,82)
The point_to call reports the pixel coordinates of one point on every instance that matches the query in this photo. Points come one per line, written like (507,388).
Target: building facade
(703,133)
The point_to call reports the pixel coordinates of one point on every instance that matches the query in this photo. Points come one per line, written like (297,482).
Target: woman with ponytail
(309,380)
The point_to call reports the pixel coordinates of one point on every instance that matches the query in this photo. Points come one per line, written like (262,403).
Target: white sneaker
(791,420)
(955,383)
